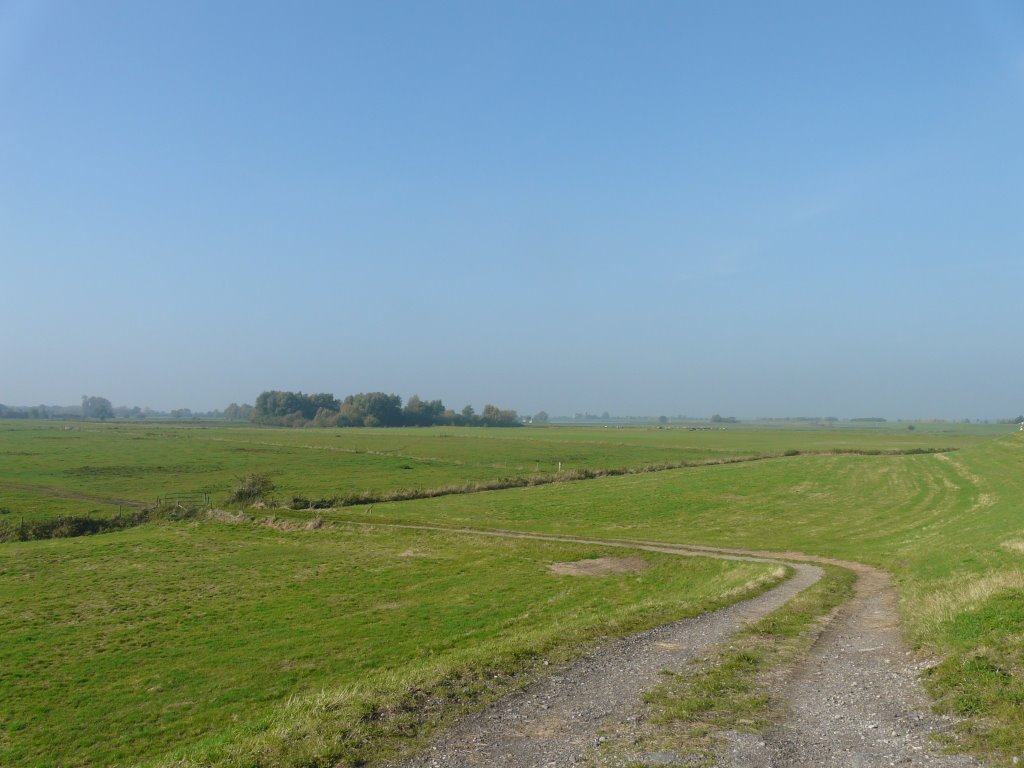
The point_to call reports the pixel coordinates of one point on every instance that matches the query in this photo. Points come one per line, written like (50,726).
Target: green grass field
(51,468)
(120,648)
(218,641)
(949,527)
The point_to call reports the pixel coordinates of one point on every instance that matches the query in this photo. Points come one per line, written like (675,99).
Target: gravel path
(853,702)
(556,720)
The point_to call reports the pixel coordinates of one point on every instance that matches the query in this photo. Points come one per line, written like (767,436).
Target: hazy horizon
(587,415)
(665,208)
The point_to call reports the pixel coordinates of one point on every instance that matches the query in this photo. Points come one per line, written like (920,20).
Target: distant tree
(236,412)
(371,409)
(664,419)
(365,409)
(316,402)
(492,416)
(181,413)
(436,411)
(276,406)
(541,417)
(420,413)
(413,413)
(325,417)
(96,408)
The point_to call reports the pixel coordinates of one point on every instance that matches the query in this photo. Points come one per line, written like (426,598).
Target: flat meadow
(948,526)
(317,637)
(178,639)
(53,468)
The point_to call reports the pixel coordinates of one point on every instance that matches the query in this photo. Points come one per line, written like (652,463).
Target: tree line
(92,408)
(369,409)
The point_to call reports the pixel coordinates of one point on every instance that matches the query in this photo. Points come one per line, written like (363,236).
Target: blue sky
(683,208)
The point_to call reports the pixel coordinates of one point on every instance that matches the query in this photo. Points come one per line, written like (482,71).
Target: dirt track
(854,701)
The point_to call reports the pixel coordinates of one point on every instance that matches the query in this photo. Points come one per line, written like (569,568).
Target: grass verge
(982,685)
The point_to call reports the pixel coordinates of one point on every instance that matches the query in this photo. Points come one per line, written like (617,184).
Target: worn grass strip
(730,691)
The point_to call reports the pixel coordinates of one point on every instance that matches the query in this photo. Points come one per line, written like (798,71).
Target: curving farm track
(854,701)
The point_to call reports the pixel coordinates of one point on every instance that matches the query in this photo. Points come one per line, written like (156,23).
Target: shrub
(69,526)
(251,488)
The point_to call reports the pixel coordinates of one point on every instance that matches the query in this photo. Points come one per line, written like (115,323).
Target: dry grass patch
(600,566)
(759,582)
(963,594)
(1014,545)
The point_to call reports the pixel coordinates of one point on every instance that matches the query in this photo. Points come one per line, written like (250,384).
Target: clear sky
(785,208)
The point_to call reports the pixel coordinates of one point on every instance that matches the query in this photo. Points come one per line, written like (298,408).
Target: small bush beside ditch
(301,502)
(69,526)
(251,488)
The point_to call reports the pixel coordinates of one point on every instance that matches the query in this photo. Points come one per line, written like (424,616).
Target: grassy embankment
(949,527)
(238,644)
